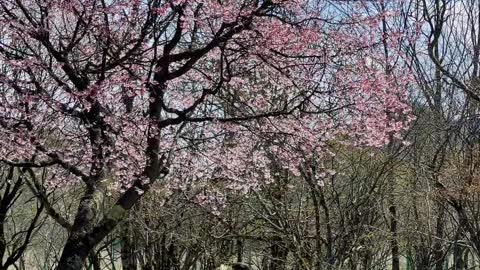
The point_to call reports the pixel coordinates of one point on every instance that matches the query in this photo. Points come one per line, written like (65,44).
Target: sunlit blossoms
(236,87)
(118,94)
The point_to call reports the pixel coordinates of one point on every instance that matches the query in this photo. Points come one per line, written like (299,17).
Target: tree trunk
(240,248)
(394,240)
(78,246)
(86,233)
(74,255)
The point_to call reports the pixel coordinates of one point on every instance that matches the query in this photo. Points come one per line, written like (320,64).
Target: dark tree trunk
(78,246)
(74,255)
(394,241)
(240,248)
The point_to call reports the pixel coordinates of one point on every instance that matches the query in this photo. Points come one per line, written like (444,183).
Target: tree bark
(74,255)
(78,246)
(394,241)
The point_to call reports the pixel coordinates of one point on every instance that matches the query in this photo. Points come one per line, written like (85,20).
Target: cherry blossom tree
(122,95)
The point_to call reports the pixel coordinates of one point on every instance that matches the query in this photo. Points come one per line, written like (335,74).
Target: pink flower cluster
(245,90)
